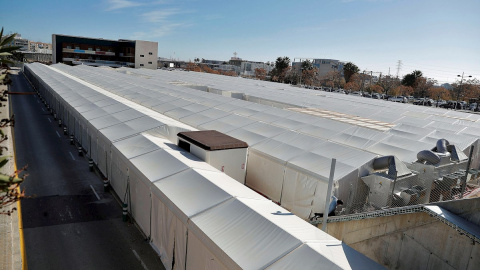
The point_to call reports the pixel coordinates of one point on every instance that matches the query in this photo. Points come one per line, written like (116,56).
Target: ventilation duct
(390,177)
(442,146)
(396,168)
(428,156)
(456,153)
(442,154)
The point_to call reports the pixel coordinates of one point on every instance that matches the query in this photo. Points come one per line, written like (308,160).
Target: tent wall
(200,257)
(299,191)
(118,174)
(265,175)
(168,233)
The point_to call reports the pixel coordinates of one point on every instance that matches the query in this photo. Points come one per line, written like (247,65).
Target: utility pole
(460,88)
(371,76)
(363,79)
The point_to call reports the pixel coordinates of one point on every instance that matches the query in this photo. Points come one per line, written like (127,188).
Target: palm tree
(9,192)
(348,70)
(5,50)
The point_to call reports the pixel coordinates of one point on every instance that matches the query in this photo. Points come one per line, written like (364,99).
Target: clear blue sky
(439,37)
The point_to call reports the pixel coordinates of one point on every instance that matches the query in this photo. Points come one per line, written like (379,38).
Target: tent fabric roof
(216,208)
(351,121)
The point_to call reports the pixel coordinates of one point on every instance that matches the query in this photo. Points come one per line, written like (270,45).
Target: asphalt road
(68,221)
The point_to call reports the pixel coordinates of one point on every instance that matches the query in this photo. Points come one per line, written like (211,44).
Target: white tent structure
(195,216)
(262,112)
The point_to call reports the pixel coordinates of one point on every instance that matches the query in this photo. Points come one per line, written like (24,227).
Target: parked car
(439,103)
(356,93)
(473,107)
(398,99)
(451,105)
(424,102)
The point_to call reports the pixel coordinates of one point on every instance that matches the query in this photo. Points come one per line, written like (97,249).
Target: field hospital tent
(258,112)
(196,217)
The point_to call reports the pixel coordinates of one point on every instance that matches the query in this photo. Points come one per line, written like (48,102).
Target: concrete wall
(409,241)
(468,209)
(146,54)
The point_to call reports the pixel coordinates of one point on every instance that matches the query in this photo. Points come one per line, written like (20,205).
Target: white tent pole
(329,196)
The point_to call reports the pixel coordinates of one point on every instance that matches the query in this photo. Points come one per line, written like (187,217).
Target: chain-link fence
(425,184)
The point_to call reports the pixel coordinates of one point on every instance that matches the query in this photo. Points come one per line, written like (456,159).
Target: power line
(437,70)
(443,67)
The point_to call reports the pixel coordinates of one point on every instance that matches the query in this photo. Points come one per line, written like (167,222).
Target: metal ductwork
(428,156)
(390,177)
(456,153)
(442,145)
(443,153)
(396,168)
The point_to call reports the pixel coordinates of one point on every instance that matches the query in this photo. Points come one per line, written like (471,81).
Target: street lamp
(460,88)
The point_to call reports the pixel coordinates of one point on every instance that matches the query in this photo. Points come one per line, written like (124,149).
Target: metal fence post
(464,179)
(393,189)
(329,196)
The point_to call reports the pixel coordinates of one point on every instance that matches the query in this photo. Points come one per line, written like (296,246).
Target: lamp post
(460,88)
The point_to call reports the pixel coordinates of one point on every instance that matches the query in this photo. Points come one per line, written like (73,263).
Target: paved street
(69,222)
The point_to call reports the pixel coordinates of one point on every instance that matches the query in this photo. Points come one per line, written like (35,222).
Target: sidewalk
(10,253)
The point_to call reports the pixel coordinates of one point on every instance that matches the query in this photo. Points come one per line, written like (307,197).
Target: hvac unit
(393,184)
(223,152)
(445,164)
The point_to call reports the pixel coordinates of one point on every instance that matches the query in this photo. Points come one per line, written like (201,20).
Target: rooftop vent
(443,153)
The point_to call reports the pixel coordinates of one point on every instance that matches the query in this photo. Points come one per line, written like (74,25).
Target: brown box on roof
(212,140)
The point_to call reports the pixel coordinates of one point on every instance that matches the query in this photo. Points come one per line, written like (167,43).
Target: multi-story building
(21,42)
(323,66)
(247,68)
(103,52)
(39,47)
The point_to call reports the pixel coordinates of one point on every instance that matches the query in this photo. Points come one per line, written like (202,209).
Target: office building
(103,52)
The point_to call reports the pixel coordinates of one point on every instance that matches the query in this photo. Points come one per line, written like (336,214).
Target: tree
(5,54)
(307,65)
(332,79)
(205,68)
(282,65)
(411,78)
(376,88)
(439,93)
(349,69)
(260,73)
(309,76)
(388,83)
(467,90)
(230,73)
(422,85)
(193,67)
(354,83)
(9,184)
(402,90)
(5,49)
